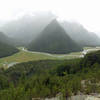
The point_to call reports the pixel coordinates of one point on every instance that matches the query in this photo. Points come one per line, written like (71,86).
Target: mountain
(26,28)
(54,39)
(5,48)
(4,38)
(79,34)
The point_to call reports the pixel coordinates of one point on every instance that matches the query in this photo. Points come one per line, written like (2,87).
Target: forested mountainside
(6,49)
(54,39)
(46,78)
(4,38)
(81,35)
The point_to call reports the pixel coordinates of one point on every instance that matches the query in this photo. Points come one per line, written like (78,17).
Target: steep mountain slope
(27,27)
(79,34)
(5,47)
(54,39)
(4,38)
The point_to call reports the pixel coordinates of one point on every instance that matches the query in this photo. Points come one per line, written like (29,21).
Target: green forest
(6,47)
(7,50)
(46,78)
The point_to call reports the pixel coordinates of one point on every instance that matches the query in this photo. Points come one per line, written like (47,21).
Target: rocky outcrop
(77,97)
(84,97)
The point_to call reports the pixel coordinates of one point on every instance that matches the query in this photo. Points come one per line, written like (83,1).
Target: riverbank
(24,56)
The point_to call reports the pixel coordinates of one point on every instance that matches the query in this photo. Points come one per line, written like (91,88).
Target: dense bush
(49,77)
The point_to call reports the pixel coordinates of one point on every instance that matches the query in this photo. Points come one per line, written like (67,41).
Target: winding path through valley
(60,56)
(82,54)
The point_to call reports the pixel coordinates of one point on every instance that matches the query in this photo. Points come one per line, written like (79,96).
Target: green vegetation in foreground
(46,78)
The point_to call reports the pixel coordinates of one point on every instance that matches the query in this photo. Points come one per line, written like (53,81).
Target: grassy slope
(23,56)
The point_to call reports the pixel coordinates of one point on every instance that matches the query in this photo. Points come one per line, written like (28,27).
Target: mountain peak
(54,22)
(54,39)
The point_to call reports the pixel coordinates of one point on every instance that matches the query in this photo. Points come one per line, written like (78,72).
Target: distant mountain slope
(54,39)
(5,47)
(27,27)
(4,38)
(79,34)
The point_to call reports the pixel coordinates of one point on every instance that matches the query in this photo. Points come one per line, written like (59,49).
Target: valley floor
(24,56)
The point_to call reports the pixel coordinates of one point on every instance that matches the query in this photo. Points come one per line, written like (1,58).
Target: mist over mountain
(28,27)
(54,39)
(6,49)
(79,34)
(4,38)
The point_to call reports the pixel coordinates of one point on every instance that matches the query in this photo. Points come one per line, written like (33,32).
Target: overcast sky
(87,12)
